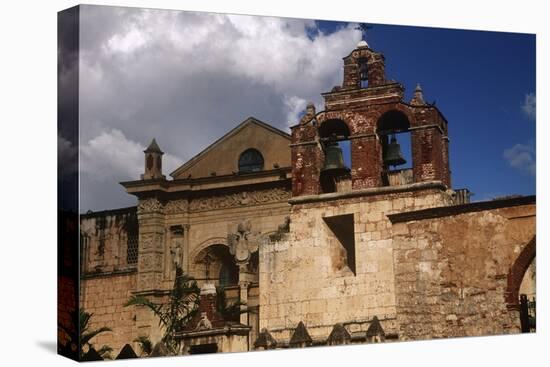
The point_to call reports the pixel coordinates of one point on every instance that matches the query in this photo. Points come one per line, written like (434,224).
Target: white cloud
(296,106)
(112,156)
(187,78)
(529,106)
(522,157)
(128,42)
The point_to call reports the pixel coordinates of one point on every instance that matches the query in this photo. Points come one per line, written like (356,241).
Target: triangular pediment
(222,157)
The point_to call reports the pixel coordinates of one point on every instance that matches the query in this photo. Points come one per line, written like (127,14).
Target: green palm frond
(86,337)
(175,314)
(86,334)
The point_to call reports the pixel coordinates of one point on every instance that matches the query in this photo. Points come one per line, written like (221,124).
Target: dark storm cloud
(67,109)
(186,79)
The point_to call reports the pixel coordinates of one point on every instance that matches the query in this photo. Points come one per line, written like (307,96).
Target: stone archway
(215,263)
(516,273)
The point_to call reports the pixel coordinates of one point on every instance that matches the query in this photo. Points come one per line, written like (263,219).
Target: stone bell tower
(341,236)
(368,110)
(153,162)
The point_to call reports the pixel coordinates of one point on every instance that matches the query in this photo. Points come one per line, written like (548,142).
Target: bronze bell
(392,155)
(334,159)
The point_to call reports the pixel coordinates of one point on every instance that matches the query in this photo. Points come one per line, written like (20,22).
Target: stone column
(186,245)
(427,154)
(246,277)
(151,245)
(150,263)
(366,160)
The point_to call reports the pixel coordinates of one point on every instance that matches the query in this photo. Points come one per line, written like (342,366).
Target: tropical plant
(229,311)
(144,344)
(173,315)
(86,335)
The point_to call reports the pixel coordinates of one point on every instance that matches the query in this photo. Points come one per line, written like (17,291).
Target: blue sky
(173,76)
(479,80)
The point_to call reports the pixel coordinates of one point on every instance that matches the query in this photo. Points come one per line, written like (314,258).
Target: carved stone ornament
(176,206)
(149,205)
(204,323)
(150,241)
(176,250)
(243,243)
(239,199)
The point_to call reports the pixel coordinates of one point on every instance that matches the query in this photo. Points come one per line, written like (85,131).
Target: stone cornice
(142,188)
(114,273)
(461,209)
(438,185)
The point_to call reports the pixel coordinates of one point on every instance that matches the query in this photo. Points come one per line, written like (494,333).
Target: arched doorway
(521,278)
(216,264)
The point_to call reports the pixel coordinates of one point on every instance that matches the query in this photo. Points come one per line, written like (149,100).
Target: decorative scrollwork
(176,206)
(149,205)
(239,199)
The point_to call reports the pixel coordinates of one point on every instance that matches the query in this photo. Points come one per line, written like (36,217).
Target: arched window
(251,161)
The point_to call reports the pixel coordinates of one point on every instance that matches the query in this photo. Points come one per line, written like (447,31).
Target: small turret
(153,162)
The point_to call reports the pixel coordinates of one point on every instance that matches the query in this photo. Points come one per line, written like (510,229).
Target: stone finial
(300,338)
(310,109)
(375,332)
(362,44)
(127,352)
(309,115)
(153,147)
(339,335)
(418,97)
(265,340)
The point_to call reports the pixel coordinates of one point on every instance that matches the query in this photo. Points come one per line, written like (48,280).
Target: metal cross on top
(363,27)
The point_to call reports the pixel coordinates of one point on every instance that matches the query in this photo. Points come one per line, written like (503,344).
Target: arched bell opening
(335,173)
(393,129)
(363,72)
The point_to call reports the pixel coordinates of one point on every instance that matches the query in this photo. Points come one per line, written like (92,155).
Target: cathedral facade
(315,251)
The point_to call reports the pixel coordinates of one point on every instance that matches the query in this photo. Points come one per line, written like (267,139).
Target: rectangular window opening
(342,226)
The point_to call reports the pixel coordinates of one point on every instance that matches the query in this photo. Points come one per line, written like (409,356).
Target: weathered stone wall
(108,280)
(104,297)
(452,271)
(104,240)
(302,277)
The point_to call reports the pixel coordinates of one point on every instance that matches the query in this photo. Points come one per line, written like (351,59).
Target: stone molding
(244,198)
(149,205)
